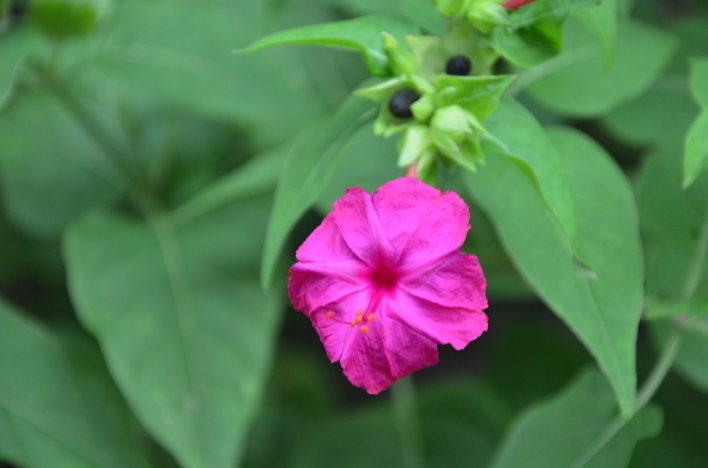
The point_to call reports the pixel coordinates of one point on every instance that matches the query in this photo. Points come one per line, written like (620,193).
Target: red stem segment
(514,4)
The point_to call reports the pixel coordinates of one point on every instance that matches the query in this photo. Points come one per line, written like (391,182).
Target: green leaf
(541,10)
(190,344)
(526,143)
(536,34)
(675,226)
(697,306)
(477,94)
(65,165)
(360,34)
(17,44)
(367,161)
(666,109)
(178,54)
(691,359)
(258,175)
(663,112)
(454,423)
(528,46)
(602,308)
(578,83)
(306,173)
(601,21)
(696,156)
(425,14)
(577,428)
(58,405)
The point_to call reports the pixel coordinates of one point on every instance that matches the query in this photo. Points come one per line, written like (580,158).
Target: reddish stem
(514,4)
(412,170)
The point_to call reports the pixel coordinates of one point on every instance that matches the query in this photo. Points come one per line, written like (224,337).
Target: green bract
(446,118)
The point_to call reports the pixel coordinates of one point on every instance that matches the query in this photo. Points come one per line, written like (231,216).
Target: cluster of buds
(483,15)
(441,90)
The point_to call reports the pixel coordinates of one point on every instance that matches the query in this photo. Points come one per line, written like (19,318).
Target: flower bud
(485,15)
(65,18)
(401,61)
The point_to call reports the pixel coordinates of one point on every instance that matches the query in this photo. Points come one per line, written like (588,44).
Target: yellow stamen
(364,330)
(370,317)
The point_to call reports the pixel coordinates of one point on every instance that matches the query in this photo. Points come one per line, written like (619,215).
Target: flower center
(384,278)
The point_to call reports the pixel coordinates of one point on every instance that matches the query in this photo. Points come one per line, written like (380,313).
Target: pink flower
(383,282)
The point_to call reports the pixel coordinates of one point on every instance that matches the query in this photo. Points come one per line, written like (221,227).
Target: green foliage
(152,182)
(522,139)
(76,178)
(58,405)
(602,307)
(536,31)
(675,226)
(361,34)
(306,173)
(691,358)
(146,56)
(578,83)
(696,159)
(601,21)
(577,428)
(197,310)
(16,45)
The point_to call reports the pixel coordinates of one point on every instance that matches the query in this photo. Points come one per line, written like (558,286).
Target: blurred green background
(138,162)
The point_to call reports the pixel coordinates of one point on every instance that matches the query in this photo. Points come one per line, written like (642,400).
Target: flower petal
(458,283)
(444,325)
(325,244)
(424,225)
(315,285)
(333,322)
(360,227)
(387,352)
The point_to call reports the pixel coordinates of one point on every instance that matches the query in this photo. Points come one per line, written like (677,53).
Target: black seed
(458,65)
(401,102)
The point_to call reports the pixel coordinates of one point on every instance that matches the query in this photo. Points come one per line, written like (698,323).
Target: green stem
(661,368)
(694,274)
(53,57)
(649,388)
(403,395)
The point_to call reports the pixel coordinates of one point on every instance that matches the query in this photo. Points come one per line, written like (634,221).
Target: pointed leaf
(17,44)
(536,34)
(601,21)
(478,94)
(696,156)
(602,308)
(306,173)
(186,330)
(58,405)
(361,34)
(525,141)
(577,428)
(675,227)
(692,356)
(179,54)
(367,161)
(65,165)
(578,83)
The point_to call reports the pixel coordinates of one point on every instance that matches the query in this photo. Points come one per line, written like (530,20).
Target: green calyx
(438,114)
(483,15)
